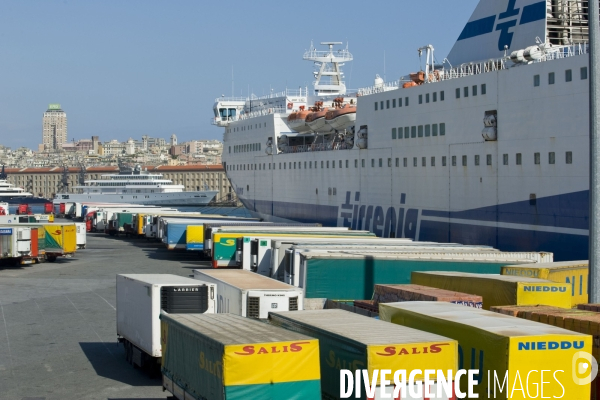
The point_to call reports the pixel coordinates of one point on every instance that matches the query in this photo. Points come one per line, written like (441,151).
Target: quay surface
(58,323)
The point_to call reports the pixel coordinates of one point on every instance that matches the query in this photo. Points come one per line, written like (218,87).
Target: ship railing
(262,112)
(384,87)
(307,148)
(232,98)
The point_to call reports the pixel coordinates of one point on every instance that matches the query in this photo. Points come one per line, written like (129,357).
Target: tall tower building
(54,131)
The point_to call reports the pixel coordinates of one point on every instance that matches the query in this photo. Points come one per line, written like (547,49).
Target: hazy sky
(126,68)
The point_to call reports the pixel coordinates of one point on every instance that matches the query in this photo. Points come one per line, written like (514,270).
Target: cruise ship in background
(489,146)
(14,195)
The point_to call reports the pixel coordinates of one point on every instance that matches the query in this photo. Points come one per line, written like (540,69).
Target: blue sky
(122,69)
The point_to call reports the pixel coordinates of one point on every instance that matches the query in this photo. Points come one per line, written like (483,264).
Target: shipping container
(224,242)
(573,273)
(175,230)
(228,357)
(355,342)
(140,299)
(15,244)
(501,346)
(149,227)
(346,276)
(398,293)
(61,240)
(499,290)
(250,295)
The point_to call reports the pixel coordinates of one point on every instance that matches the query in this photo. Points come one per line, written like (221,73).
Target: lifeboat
(297,120)
(342,117)
(316,119)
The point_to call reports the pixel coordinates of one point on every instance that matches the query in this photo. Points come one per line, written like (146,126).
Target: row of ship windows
(247,127)
(419,131)
(454,159)
(583,75)
(244,148)
(431,97)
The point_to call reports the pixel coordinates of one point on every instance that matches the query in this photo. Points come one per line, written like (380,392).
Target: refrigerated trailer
(250,295)
(141,298)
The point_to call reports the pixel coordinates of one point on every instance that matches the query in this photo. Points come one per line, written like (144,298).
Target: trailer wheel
(51,258)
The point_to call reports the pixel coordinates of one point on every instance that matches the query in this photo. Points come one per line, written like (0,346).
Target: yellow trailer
(498,290)
(61,240)
(573,273)
(514,358)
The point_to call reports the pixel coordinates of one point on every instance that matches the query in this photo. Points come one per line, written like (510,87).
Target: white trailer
(250,295)
(140,299)
(15,244)
(81,235)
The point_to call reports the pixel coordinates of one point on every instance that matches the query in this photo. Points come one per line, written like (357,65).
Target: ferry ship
(135,186)
(13,195)
(489,146)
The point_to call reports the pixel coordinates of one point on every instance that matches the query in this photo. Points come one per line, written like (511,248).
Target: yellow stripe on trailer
(194,236)
(294,361)
(574,273)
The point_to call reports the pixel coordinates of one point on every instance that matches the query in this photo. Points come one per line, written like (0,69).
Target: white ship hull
(525,191)
(161,199)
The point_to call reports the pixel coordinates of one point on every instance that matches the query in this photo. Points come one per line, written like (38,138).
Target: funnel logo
(585,368)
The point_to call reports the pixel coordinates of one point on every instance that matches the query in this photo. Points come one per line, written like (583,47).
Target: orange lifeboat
(342,117)
(297,120)
(316,119)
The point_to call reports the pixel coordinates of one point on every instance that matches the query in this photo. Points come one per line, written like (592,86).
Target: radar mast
(328,72)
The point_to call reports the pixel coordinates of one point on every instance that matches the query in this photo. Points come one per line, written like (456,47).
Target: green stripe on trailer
(299,390)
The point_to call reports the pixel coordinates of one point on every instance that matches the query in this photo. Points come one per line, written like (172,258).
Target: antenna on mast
(328,73)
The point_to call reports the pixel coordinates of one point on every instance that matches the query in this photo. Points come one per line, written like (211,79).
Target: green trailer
(228,357)
(352,276)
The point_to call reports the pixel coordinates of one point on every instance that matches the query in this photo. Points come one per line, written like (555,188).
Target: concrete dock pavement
(58,323)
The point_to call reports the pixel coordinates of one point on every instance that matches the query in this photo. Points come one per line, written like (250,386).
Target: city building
(54,128)
(46,182)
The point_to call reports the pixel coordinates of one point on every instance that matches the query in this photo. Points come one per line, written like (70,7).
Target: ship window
(423,161)
(362,163)
(322,164)
(433,161)
(536,158)
(476,159)
(406,101)
(405,162)
(304,164)
(583,73)
(420,99)
(340,165)
(466,91)
(310,164)
(389,162)
(454,161)
(372,163)
(413,132)
(284,166)
(426,97)
(380,163)
(414,161)
(551,78)
(347,163)
(489,159)
(397,162)
(376,105)
(381,104)
(464,161)
(387,104)
(474,89)
(568,75)
(505,159)
(434,97)
(427,130)
(443,161)
(442,129)
(356,163)
(442,95)
(393,103)
(434,129)
(518,158)
(279,165)
(332,164)
(536,80)
(327,163)
(551,158)
(483,89)
(230,149)
(263,166)
(458,93)
(569,157)
(393,133)
(294,165)
(406,129)
(400,102)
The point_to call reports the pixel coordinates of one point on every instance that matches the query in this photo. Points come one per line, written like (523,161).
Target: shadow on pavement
(108,360)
